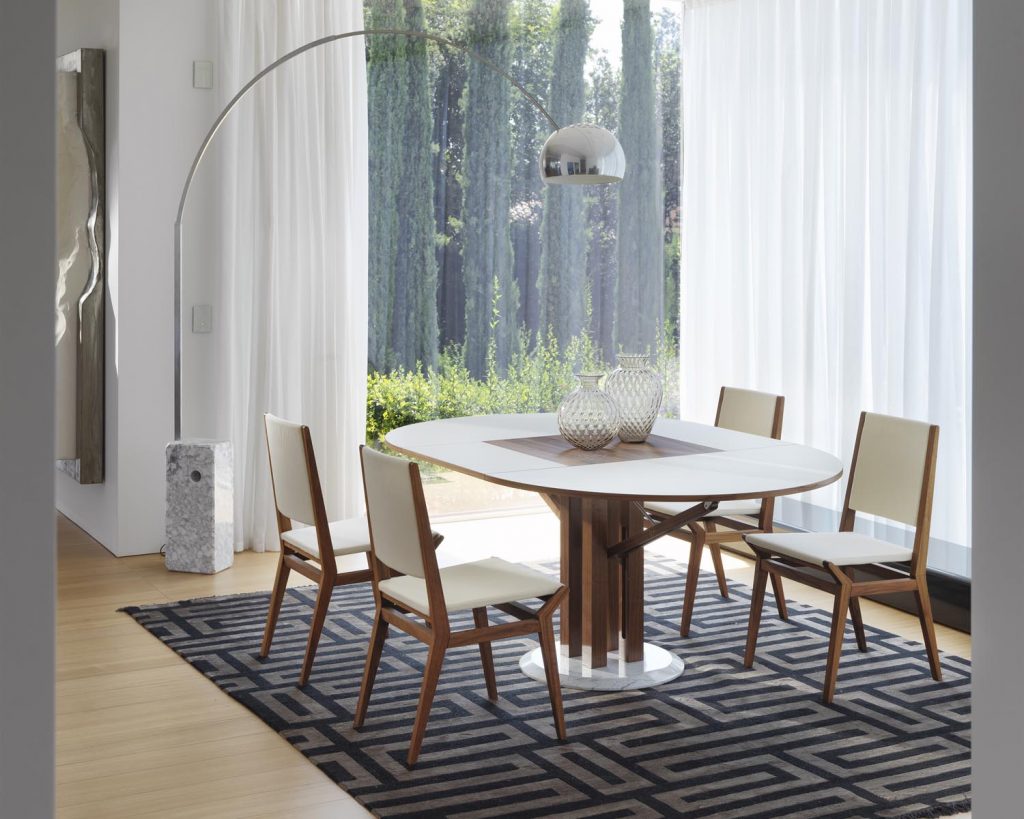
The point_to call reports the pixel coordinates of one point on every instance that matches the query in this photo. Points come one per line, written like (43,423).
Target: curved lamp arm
(575,155)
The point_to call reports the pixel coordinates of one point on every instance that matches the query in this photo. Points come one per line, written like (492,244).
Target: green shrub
(537,380)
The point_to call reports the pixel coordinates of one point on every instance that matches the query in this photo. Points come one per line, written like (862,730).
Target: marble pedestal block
(200,506)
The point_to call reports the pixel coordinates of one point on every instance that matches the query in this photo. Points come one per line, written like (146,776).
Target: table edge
(619,495)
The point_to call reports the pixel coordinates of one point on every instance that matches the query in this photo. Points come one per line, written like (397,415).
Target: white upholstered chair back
(289,469)
(757,413)
(892,467)
(392,505)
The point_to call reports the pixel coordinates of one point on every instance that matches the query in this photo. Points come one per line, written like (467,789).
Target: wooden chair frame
(435,630)
(705,532)
(325,575)
(840,580)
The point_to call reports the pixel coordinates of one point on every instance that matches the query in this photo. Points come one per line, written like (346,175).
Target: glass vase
(588,418)
(636,390)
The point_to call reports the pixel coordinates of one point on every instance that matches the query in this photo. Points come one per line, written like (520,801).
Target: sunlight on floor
(533,538)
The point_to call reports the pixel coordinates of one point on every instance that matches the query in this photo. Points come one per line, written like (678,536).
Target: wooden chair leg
(431,673)
(378,636)
(780,596)
(756,604)
(692,576)
(323,602)
(924,612)
(716,556)
(276,598)
(546,636)
(835,641)
(858,624)
(486,657)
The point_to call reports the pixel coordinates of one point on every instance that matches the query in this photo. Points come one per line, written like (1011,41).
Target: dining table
(598,496)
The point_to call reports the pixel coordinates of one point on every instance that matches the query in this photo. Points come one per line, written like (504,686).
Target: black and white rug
(721,741)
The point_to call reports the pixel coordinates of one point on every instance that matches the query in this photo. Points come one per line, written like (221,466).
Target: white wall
(158,121)
(998,395)
(27,222)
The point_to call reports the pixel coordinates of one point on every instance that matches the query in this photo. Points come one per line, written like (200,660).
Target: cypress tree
(492,297)
(563,249)
(449,87)
(666,45)
(531,66)
(602,203)
(447,18)
(387,76)
(414,317)
(640,294)
(402,269)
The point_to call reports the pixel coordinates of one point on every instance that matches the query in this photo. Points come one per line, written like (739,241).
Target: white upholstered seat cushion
(726,509)
(838,548)
(348,537)
(471,585)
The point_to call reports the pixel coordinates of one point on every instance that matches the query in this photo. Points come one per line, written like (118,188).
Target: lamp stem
(422,35)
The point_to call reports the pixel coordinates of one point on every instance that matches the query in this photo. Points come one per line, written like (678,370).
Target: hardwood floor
(140,733)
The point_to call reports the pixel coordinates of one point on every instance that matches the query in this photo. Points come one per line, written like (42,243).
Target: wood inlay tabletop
(684,461)
(556,448)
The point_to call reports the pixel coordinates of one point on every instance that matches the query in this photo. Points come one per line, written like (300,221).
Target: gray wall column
(998,408)
(27,280)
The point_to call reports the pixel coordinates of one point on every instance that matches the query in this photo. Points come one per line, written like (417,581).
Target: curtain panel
(292,167)
(827,222)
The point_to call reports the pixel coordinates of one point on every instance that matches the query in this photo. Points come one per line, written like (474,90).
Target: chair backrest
(757,413)
(893,471)
(399,526)
(292,469)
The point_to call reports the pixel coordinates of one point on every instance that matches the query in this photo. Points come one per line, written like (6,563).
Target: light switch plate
(202,74)
(202,318)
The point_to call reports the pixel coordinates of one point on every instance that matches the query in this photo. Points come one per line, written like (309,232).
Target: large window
(827,207)
(488,290)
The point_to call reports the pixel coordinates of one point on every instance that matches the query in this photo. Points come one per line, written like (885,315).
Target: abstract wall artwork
(81,264)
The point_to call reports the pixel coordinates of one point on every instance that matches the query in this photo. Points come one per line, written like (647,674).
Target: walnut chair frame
(432,626)
(321,567)
(840,580)
(705,531)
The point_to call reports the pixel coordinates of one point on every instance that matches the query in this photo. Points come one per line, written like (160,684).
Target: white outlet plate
(202,74)
(202,318)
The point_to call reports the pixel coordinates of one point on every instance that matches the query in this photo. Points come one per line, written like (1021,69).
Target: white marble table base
(658,666)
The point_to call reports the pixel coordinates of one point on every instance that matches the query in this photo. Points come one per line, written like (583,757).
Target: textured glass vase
(588,418)
(636,390)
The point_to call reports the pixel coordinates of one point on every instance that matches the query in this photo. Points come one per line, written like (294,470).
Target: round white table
(599,497)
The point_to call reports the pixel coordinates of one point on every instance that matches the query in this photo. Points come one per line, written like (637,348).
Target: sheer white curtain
(293,247)
(826,219)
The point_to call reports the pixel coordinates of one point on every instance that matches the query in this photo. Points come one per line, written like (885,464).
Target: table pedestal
(602,618)
(605,601)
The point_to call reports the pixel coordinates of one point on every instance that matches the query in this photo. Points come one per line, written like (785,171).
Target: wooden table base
(602,561)
(604,609)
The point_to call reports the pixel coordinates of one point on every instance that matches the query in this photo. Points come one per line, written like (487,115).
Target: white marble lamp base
(200,506)
(658,666)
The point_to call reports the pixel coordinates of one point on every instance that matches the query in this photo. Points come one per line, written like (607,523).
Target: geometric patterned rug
(720,741)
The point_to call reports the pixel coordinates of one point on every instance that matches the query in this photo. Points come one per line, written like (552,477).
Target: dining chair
(313,550)
(408,584)
(893,477)
(756,413)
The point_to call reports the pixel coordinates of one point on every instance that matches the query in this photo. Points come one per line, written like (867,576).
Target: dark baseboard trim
(951,599)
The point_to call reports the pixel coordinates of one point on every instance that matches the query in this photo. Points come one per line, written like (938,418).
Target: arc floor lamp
(579,154)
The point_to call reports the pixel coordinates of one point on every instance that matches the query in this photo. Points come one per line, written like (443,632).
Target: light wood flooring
(140,733)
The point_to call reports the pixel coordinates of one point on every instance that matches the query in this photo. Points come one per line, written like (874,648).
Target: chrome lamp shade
(582,154)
